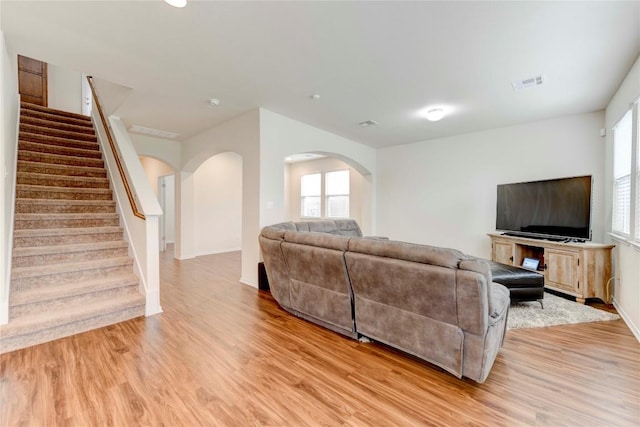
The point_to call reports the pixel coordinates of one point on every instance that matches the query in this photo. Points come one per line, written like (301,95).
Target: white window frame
(305,196)
(633,233)
(327,195)
(323,195)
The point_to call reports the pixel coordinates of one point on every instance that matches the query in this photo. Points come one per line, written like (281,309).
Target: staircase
(70,270)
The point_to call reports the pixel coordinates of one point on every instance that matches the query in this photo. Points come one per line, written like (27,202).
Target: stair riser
(64,223)
(32,167)
(62,195)
(62,303)
(57,133)
(54,117)
(56,124)
(59,150)
(57,332)
(61,181)
(45,158)
(29,261)
(72,276)
(52,141)
(107,207)
(25,242)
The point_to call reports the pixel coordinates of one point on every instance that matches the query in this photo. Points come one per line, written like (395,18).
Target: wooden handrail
(125,181)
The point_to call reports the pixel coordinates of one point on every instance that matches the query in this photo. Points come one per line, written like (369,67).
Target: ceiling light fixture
(432,114)
(214,102)
(177,3)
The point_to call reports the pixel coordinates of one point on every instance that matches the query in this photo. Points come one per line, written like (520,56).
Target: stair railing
(116,155)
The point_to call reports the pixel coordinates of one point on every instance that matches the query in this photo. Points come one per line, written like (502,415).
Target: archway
(319,166)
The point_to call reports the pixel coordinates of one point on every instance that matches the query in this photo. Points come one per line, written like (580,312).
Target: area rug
(557,311)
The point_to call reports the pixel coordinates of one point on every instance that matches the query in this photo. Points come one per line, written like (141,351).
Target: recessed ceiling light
(315,96)
(177,3)
(432,114)
(294,158)
(214,102)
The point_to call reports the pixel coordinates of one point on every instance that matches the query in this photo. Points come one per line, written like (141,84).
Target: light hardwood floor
(225,354)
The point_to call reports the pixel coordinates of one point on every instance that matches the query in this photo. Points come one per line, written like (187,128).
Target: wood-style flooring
(225,354)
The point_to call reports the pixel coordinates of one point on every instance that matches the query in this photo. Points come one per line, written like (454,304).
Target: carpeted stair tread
(34,178)
(62,303)
(59,150)
(64,220)
(47,192)
(57,141)
(63,206)
(59,159)
(48,319)
(86,121)
(56,169)
(61,236)
(56,124)
(51,111)
(58,133)
(70,248)
(67,267)
(64,290)
(41,216)
(66,231)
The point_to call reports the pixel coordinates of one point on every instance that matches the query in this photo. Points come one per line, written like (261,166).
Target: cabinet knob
(545,266)
(511,258)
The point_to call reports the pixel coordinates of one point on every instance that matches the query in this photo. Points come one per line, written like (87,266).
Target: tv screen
(554,208)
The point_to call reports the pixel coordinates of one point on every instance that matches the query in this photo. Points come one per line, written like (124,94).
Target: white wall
(64,89)
(627,283)
(9,106)
(218,201)
(295,172)
(280,137)
(443,192)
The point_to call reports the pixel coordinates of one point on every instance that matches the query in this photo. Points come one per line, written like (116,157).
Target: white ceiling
(379,61)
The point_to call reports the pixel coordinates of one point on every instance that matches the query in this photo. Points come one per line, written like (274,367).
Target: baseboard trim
(634,329)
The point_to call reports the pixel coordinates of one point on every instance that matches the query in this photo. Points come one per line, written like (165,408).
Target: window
(622,144)
(330,200)
(337,194)
(310,195)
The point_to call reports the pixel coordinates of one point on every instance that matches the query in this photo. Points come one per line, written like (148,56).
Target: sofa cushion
(423,254)
(321,240)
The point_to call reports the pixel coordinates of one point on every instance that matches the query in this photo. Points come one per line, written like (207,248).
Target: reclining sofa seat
(435,303)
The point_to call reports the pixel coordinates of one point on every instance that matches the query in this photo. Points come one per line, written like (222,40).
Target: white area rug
(557,311)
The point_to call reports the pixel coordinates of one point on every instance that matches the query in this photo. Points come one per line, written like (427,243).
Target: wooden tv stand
(582,270)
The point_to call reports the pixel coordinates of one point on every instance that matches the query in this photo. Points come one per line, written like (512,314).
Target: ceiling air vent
(367,123)
(527,83)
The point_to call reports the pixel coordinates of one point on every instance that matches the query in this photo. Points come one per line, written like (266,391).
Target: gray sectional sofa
(434,303)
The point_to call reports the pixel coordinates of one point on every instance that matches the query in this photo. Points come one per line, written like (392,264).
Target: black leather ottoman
(523,284)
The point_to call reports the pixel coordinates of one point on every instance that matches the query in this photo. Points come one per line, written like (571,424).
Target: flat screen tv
(558,209)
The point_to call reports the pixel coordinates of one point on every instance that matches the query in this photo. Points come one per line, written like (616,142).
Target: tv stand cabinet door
(562,270)
(502,252)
